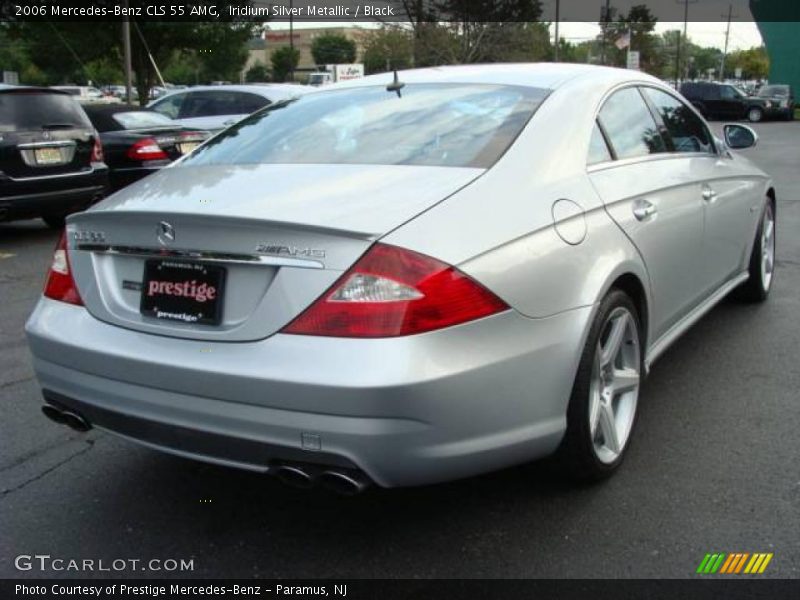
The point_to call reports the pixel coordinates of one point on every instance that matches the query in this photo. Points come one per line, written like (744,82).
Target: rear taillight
(97,150)
(146,149)
(60,285)
(392,292)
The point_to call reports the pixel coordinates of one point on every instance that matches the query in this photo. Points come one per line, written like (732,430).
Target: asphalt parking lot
(714,467)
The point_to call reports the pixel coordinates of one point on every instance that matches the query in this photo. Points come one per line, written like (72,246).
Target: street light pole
(727,38)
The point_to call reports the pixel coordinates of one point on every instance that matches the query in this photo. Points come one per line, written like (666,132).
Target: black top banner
(391,11)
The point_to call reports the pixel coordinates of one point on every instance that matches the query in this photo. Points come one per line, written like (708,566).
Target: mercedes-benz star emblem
(165,233)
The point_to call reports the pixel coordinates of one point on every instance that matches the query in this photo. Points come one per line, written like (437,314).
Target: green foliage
(390,47)
(641,23)
(284,61)
(333,48)
(258,73)
(754,63)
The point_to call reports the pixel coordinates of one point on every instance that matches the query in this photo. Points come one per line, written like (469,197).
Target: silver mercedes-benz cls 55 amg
(408,278)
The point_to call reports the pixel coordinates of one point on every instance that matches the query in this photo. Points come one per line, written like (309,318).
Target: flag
(624,41)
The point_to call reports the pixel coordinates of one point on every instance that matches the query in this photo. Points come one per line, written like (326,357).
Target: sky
(744,34)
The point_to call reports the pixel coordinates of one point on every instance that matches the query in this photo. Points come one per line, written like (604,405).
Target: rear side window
(687,130)
(249,103)
(630,126)
(26,111)
(212,104)
(598,149)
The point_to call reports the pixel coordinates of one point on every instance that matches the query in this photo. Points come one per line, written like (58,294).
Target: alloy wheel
(767,247)
(614,389)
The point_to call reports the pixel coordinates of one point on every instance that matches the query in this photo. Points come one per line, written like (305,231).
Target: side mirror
(739,137)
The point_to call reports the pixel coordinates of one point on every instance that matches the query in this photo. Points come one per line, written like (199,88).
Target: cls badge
(89,236)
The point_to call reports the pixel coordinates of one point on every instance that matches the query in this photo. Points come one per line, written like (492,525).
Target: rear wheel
(755,114)
(603,406)
(762,259)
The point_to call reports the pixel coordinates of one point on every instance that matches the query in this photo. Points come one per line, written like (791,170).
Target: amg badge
(293,251)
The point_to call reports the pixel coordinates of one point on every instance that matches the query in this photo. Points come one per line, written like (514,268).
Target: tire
(55,221)
(755,114)
(588,453)
(762,259)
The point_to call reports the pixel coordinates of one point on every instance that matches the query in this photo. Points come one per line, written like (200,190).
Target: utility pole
(727,37)
(291,37)
(558,10)
(126,46)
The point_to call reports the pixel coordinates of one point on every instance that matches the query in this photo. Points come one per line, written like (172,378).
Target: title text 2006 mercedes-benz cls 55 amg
(407,278)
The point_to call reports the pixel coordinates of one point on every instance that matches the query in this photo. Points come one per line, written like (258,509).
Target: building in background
(303,38)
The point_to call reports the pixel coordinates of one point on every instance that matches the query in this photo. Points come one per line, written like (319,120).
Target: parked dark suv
(782,99)
(51,158)
(723,101)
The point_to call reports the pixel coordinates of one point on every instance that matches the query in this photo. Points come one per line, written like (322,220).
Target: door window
(687,130)
(728,93)
(249,103)
(212,104)
(630,126)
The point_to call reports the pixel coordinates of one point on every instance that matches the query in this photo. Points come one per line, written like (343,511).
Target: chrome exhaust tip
(343,483)
(65,417)
(294,476)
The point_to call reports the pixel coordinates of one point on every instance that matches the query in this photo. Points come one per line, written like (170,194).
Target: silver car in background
(407,278)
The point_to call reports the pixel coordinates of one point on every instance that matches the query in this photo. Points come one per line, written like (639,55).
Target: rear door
(652,196)
(726,196)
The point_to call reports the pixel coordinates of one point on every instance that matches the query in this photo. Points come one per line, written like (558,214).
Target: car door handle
(643,209)
(709,194)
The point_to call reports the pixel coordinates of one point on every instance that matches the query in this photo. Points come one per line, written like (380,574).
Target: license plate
(182,291)
(48,156)
(187,147)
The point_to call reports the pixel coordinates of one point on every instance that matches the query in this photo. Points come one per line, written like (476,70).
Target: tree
(641,23)
(333,48)
(754,63)
(258,73)
(387,48)
(284,61)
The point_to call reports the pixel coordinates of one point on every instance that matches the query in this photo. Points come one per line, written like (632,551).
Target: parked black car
(138,141)
(782,98)
(723,101)
(51,158)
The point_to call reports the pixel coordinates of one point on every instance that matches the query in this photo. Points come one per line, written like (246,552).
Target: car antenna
(396,85)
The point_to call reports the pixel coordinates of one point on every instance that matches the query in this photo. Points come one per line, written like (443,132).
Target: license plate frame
(179,291)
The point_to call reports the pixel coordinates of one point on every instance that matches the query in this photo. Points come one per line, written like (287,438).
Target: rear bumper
(405,411)
(34,197)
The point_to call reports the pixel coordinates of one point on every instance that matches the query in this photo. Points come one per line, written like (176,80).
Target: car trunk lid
(282,234)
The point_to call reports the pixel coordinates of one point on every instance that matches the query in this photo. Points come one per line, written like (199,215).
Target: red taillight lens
(97,150)
(59,284)
(392,292)
(146,149)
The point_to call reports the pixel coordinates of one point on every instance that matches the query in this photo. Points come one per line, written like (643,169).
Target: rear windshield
(27,111)
(457,125)
(774,90)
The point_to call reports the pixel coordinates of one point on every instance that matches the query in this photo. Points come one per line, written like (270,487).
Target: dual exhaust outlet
(348,483)
(345,482)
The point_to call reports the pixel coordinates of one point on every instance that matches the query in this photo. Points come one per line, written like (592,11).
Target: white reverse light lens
(369,288)
(60,262)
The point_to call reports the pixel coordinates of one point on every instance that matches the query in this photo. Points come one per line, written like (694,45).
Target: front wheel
(605,395)
(762,259)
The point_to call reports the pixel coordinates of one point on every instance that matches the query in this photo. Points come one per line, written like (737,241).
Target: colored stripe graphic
(733,563)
